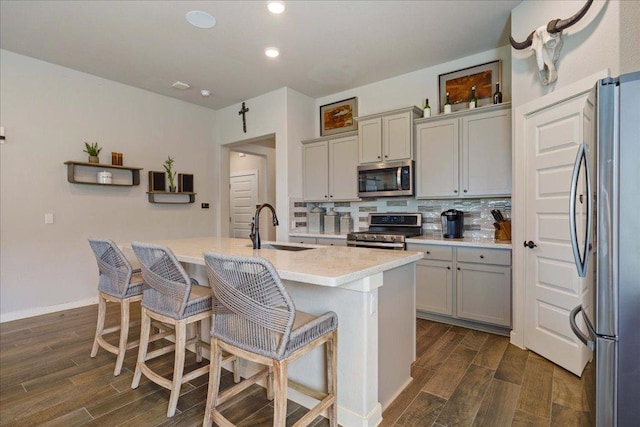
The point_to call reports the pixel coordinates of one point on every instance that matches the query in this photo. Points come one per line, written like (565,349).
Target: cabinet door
(437,159)
(370,141)
(484,293)
(316,171)
(343,169)
(486,154)
(396,137)
(434,287)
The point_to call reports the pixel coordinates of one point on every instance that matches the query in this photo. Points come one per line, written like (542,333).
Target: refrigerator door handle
(581,260)
(589,341)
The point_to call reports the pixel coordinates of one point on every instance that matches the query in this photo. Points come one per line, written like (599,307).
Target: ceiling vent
(180,85)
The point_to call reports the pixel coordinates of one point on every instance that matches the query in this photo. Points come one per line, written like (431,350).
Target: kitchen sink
(284,247)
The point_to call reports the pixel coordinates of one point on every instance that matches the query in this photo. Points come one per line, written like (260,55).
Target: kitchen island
(373,293)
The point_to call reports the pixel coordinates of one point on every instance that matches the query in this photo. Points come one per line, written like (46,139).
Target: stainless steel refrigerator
(605,230)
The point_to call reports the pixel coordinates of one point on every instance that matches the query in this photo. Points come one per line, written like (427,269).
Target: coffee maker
(452,224)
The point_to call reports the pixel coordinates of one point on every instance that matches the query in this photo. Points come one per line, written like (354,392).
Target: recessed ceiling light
(272,52)
(200,19)
(276,7)
(205,92)
(180,85)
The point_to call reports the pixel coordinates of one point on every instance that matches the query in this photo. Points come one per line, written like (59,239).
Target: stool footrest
(232,391)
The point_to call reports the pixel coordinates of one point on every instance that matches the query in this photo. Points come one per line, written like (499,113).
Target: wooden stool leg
(102,312)
(178,366)
(280,388)
(145,329)
(270,384)
(124,334)
(198,327)
(332,377)
(214,381)
(236,370)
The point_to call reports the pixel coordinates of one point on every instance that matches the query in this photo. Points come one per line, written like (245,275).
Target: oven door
(385,179)
(398,246)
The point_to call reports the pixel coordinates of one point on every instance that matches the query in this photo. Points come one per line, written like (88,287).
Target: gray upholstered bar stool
(255,319)
(172,298)
(118,283)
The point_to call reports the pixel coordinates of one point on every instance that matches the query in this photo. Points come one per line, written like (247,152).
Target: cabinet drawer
(332,242)
(444,253)
(484,256)
(300,239)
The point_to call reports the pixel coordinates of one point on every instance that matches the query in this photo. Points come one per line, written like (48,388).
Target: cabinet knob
(428,252)
(386,156)
(455,191)
(448,268)
(331,196)
(325,196)
(481,256)
(458,268)
(378,156)
(465,190)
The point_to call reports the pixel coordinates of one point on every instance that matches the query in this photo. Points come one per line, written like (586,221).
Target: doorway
(246,158)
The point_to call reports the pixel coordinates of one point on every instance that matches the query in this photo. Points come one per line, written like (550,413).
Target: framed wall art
(339,117)
(458,83)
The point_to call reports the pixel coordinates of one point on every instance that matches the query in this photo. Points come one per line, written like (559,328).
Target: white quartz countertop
(321,265)
(473,242)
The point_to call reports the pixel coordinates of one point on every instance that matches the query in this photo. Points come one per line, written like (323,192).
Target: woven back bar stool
(172,298)
(255,319)
(118,282)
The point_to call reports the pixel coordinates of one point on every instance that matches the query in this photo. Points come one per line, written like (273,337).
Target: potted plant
(168,166)
(93,151)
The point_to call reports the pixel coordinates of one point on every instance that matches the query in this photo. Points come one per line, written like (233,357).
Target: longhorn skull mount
(546,42)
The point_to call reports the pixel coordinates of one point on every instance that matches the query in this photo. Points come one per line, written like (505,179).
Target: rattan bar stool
(172,298)
(118,283)
(255,319)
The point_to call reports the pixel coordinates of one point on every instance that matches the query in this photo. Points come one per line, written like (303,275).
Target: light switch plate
(48,218)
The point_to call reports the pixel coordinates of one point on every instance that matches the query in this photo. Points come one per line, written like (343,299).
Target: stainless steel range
(387,231)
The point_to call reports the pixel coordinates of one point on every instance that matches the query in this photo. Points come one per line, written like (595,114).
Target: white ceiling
(325,46)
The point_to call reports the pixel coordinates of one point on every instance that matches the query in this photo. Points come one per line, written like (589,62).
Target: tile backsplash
(478,221)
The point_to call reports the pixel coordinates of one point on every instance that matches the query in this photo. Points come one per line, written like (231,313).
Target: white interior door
(243,193)
(552,285)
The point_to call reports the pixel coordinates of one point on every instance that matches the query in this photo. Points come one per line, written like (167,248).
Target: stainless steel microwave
(386,179)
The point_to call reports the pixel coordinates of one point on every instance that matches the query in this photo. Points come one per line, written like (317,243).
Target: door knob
(529,244)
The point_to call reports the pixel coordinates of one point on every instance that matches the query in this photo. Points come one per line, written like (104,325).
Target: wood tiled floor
(461,377)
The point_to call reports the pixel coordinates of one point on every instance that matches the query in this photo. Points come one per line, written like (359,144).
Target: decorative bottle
(473,101)
(497,96)
(427,109)
(447,105)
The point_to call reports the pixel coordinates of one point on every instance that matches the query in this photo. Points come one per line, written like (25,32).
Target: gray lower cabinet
(300,239)
(464,284)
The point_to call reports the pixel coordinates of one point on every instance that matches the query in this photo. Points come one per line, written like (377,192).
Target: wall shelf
(164,199)
(71,173)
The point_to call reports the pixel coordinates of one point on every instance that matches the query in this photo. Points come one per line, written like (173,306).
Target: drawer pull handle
(481,256)
(428,252)
(458,268)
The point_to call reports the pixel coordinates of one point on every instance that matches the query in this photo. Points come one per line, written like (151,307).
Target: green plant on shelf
(93,151)
(168,166)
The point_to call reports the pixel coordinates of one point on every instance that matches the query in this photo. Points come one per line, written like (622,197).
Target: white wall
(283,113)
(591,45)
(630,36)
(48,112)
(412,88)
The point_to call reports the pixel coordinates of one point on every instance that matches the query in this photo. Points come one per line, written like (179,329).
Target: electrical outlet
(48,218)
(204,205)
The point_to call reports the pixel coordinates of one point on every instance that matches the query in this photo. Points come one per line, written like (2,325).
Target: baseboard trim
(32,312)
(493,329)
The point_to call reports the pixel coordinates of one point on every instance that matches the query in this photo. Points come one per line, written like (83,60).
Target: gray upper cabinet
(387,137)
(464,154)
(330,168)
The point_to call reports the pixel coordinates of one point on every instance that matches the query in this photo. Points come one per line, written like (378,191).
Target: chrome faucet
(255,225)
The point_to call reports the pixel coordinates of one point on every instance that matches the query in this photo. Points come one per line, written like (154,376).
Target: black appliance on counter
(387,231)
(452,224)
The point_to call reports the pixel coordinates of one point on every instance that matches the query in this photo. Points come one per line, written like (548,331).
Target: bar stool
(171,298)
(118,283)
(254,318)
